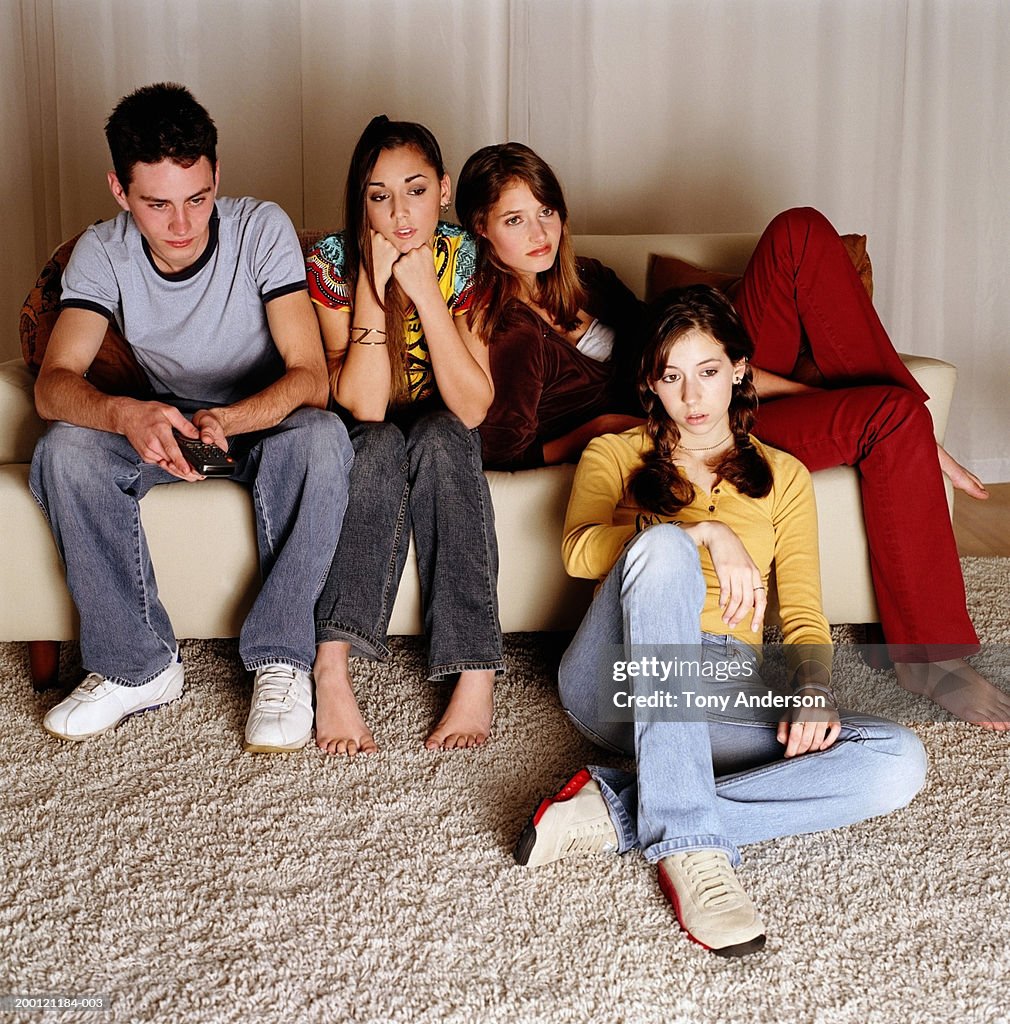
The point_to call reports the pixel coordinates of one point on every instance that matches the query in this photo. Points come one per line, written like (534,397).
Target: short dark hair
(159,122)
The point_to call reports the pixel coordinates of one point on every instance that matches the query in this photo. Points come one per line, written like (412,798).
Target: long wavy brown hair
(484,177)
(658,486)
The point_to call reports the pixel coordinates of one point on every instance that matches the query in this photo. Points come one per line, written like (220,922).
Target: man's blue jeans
(722,782)
(89,484)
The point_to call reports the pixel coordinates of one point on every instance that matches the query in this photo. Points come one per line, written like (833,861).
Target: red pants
(800,284)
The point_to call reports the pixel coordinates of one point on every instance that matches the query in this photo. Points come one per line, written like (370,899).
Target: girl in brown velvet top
(535,305)
(565,335)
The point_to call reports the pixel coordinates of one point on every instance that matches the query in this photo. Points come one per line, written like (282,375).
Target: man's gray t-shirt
(201,334)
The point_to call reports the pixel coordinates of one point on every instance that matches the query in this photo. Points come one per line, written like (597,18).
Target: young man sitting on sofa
(211,295)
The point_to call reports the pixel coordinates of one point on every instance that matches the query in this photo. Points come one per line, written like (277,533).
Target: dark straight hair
(159,122)
(379,135)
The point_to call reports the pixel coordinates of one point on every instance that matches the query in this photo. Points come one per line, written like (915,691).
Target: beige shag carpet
(180,879)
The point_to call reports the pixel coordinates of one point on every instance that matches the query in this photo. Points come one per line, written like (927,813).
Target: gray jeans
(423,475)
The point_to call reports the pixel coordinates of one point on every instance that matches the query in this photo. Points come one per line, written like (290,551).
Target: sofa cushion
(114,369)
(667,272)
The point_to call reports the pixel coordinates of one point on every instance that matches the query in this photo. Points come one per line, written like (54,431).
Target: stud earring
(444,207)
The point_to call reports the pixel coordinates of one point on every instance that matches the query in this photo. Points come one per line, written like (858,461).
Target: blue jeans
(89,484)
(720,782)
(425,475)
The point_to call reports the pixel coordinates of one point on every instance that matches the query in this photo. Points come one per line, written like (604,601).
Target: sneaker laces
(595,837)
(274,688)
(92,683)
(713,879)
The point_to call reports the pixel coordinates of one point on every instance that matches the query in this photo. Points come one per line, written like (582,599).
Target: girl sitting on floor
(683,520)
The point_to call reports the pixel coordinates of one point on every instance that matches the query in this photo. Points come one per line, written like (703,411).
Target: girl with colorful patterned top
(392,291)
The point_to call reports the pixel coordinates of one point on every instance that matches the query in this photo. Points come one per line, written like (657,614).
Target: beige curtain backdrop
(659,115)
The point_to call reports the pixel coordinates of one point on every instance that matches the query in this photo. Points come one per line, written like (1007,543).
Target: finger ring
(757,588)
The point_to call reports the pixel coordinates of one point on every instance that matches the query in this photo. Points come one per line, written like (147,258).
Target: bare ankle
(913,676)
(467,719)
(958,688)
(333,662)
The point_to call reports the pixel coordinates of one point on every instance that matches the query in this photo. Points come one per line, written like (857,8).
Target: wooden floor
(983,527)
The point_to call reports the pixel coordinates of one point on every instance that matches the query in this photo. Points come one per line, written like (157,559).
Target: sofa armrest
(937,379)
(20,425)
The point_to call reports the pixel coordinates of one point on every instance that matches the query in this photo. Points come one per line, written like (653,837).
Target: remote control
(206,459)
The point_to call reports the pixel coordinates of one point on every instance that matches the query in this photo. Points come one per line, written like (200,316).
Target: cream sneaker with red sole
(710,902)
(574,821)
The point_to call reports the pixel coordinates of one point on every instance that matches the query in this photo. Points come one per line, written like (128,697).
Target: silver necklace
(709,448)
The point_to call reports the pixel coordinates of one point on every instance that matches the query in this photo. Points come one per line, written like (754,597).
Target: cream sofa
(202,537)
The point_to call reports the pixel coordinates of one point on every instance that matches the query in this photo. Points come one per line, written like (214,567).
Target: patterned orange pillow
(114,370)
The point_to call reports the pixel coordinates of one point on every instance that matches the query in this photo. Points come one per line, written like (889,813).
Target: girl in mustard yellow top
(683,520)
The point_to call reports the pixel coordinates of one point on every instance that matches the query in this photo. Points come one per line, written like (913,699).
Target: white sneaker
(710,902)
(98,705)
(280,717)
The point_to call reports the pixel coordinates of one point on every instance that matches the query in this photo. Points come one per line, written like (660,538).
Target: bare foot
(956,686)
(340,729)
(467,719)
(960,477)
